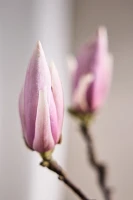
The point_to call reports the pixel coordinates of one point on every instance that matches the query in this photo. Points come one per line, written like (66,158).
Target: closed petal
(57,95)
(21,112)
(93,59)
(97,93)
(37,77)
(54,119)
(102,38)
(43,140)
(85,62)
(102,72)
(103,81)
(87,56)
(80,95)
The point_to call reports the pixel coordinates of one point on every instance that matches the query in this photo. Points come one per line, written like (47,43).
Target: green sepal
(47,156)
(84,117)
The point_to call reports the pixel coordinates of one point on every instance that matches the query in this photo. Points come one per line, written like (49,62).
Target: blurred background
(62,26)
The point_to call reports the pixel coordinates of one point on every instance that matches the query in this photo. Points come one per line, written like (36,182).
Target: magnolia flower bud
(92,75)
(41,104)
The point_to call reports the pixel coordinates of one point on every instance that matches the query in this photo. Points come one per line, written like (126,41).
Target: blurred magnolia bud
(41,104)
(92,74)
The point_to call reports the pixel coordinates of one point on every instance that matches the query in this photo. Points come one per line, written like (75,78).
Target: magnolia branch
(100,168)
(53,166)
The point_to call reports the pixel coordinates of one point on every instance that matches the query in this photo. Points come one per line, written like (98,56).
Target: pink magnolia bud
(92,75)
(41,104)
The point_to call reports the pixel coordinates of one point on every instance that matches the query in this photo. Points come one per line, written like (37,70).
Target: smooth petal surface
(102,83)
(41,104)
(80,102)
(43,140)
(21,112)
(93,59)
(85,62)
(37,77)
(100,86)
(54,119)
(58,96)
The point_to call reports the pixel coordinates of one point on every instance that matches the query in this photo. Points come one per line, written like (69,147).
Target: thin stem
(100,168)
(53,166)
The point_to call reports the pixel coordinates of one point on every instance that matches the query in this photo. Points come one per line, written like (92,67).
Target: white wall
(113,130)
(22,23)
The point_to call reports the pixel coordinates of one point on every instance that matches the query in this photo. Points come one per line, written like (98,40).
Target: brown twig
(99,167)
(53,166)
